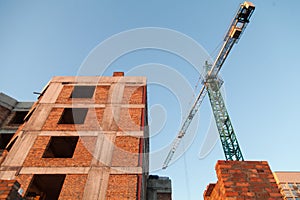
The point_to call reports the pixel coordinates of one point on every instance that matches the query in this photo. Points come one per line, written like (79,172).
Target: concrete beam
(96,185)
(54,170)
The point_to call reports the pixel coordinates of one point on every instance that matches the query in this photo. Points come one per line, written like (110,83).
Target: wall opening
(73,116)
(61,147)
(11,143)
(18,117)
(85,91)
(4,139)
(45,186)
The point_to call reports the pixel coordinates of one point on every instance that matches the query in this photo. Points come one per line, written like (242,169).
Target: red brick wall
(9,190)
(122,187)
(130,119)
(64,95)
(82,156)
(101,94)
(73,187)
(133,95)
(24,180)
(244,180)
(126,151)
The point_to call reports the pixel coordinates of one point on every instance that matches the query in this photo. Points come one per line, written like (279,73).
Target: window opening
(11,144)
(45,186)
(83,91)
(4,139)
(73,116)
(61,147)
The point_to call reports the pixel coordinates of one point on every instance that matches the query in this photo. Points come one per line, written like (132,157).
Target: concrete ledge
(98,80)
(78,170)
(126,170)
(94,105)
(90,133)
(55,170)
(23,106)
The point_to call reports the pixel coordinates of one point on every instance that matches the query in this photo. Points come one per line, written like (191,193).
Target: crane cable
(187,181)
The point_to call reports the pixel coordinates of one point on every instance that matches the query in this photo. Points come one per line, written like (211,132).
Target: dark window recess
(61,147)
(18,117)
(83,92)
(28,115)
(11,144)
(45,186)
(73,116)
(4,139)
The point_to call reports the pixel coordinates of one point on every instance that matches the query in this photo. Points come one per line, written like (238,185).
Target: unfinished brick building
(243,180)
(85,138)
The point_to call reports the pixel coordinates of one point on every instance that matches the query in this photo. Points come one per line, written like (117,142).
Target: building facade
(289,184)
(85,138)
(12,114)
(159,188)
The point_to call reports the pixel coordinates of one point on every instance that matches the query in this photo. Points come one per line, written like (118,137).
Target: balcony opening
(4,139)
(73,116)
(61,147)
(45,186)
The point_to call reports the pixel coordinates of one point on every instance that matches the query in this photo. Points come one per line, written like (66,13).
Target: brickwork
(122,187)
(133,95)
(73,187)
(101,94)
(9,190)
(24,180)
(118,74)
(126,151)
(82,155)
(130,119)
(64,96)
(243,180)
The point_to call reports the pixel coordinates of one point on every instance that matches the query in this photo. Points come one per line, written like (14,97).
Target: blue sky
(41,39)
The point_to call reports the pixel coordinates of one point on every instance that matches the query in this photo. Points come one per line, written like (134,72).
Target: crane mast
(212,85)
(228,139)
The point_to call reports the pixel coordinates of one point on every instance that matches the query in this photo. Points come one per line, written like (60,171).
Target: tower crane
(212,84)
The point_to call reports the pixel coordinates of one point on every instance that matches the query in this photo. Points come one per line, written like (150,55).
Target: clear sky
(41,39)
